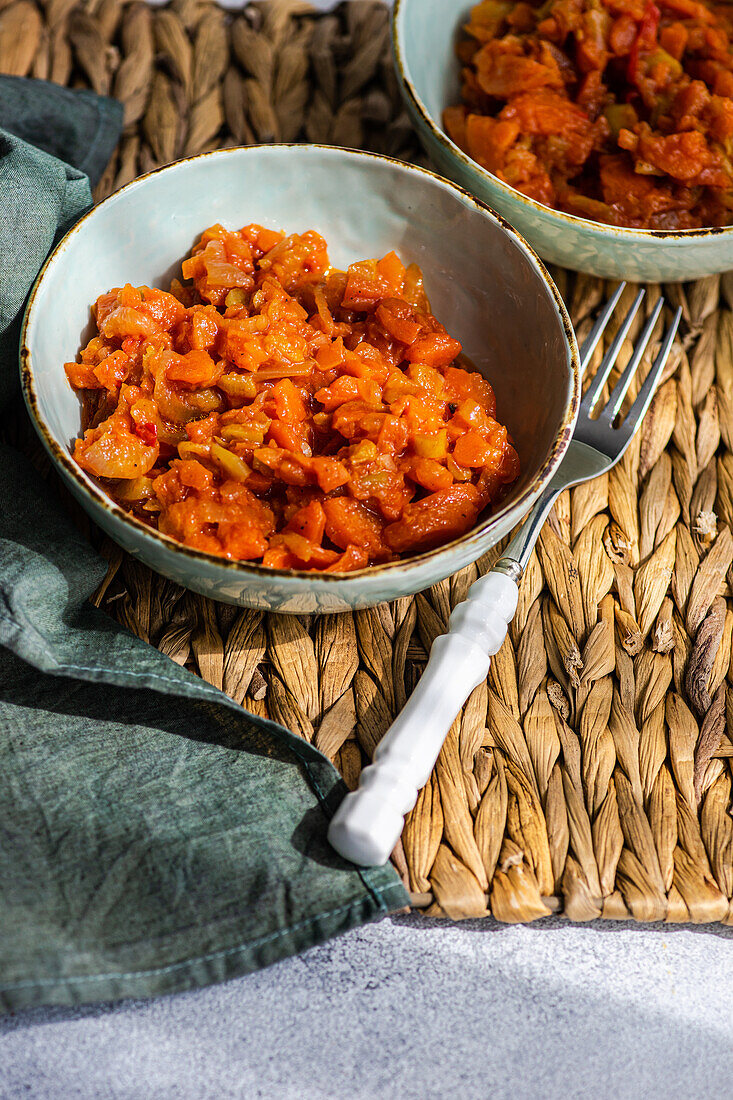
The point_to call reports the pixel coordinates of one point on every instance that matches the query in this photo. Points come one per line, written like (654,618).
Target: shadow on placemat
(487,925)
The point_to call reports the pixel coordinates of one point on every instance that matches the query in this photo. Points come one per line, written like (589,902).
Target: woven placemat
(591,774)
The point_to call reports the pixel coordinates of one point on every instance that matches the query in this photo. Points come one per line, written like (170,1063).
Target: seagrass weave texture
(591,774)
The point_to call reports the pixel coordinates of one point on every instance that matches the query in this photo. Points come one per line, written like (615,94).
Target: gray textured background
(415,1010)
(412,1008)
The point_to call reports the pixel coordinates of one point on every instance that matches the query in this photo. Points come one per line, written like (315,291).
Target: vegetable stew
(620,111)
(273,409)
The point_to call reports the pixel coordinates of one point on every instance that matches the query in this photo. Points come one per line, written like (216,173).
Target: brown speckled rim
(477,535)
(640,236)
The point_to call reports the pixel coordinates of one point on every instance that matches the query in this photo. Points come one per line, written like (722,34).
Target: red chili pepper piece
(147,431)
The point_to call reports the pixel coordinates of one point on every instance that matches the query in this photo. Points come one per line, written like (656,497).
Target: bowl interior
(428,33)
(483,282)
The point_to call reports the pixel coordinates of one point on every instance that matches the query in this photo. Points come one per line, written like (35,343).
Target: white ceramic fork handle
(369,821)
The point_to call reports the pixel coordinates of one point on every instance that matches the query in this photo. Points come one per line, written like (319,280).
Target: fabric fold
(154,836)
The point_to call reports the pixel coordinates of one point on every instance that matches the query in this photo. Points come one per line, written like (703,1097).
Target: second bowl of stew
(601,130)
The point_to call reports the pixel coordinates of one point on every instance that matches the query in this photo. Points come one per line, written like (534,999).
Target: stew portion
(620,111)
(273,409)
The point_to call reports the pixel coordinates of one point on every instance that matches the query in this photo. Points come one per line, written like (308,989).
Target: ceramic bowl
(484,282)
(424,36)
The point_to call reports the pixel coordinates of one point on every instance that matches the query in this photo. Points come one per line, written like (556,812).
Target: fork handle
(369,821)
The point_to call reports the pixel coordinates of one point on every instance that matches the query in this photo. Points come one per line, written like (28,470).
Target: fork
(368,823)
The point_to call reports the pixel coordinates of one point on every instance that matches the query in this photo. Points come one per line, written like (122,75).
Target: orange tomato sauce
(272,409)
(620,111)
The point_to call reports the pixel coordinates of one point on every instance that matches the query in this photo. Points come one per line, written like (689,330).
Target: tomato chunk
(435,519)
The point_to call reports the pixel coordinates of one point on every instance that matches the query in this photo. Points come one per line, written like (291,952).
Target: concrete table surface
(413,1008)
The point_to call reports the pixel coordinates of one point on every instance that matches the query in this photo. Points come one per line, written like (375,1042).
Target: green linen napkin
(153,835)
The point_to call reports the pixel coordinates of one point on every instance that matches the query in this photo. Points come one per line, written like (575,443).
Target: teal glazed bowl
(424,37)
(485,284)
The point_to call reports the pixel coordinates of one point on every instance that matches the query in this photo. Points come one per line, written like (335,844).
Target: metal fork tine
(646,393)
(599,380)
(596,445)
(591,341)
(619,390)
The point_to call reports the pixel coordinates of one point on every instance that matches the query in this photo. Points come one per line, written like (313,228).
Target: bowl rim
(89,487)
(625,233)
